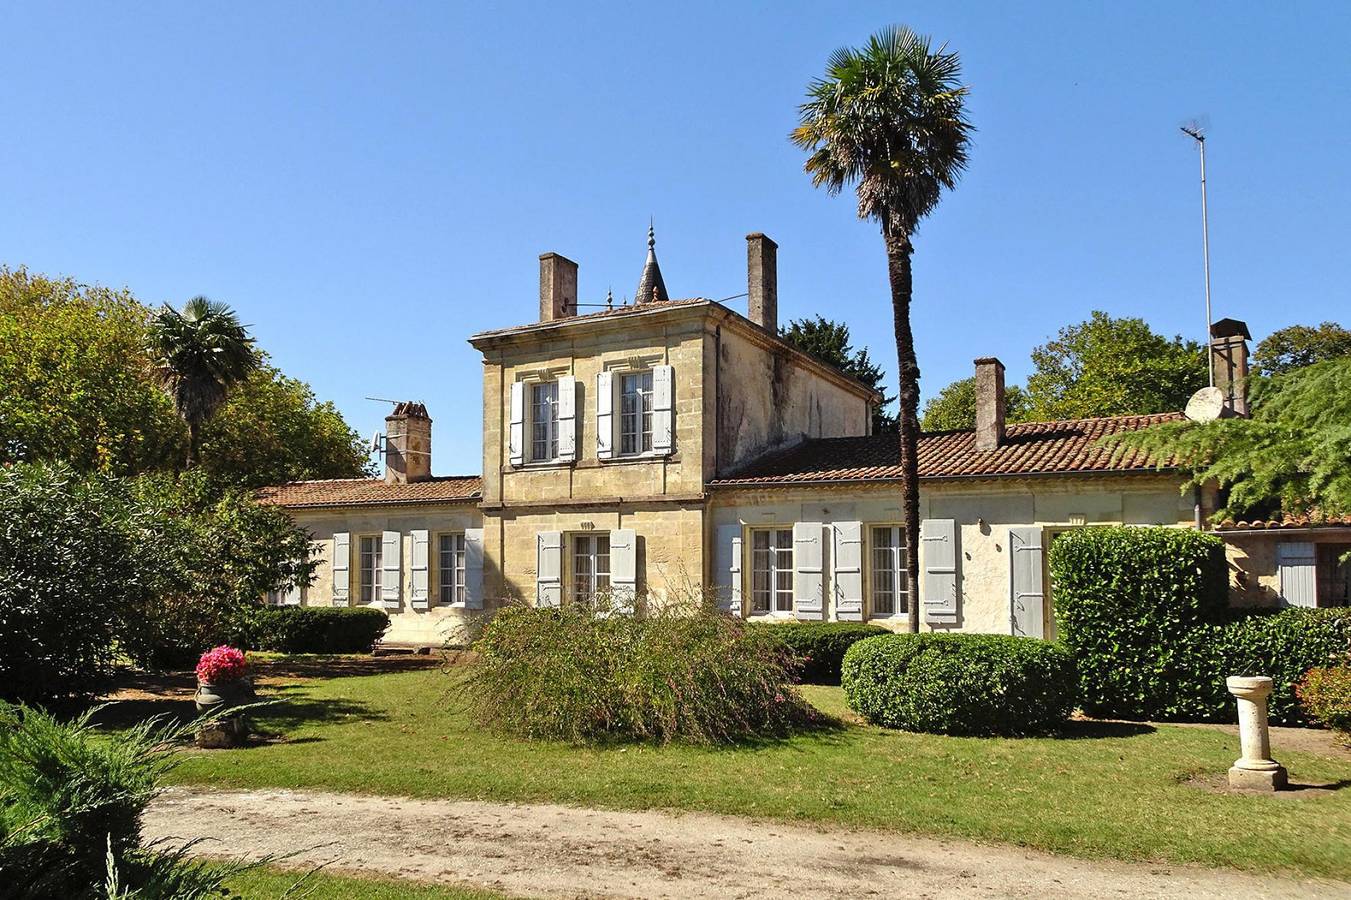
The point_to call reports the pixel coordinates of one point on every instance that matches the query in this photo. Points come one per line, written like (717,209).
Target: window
(590,565)
(635,413)
(544,421)
(1334,576)
(450,568)
(891,591)
(370,569)
(772,571)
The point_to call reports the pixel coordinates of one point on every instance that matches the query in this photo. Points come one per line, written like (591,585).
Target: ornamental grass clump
(587,672)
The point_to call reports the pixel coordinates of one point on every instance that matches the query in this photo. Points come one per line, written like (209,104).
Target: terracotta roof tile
(631,309)
(1285,522)
(372,492)
(1032,448)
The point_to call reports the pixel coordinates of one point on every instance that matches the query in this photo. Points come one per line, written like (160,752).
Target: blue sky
(369,184)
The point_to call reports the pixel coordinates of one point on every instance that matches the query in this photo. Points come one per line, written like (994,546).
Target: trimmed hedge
(311,629)
(819,647)
(961,684)
(1284,646)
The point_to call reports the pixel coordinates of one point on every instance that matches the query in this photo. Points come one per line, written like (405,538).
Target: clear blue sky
(369,184)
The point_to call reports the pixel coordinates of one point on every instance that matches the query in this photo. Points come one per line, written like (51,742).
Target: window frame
(593,556)
(779,547)
(533,421)
(458,569)
(376,569)
(901,599)
(642,416)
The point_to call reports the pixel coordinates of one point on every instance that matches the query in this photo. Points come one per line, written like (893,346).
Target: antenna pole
(1200,139)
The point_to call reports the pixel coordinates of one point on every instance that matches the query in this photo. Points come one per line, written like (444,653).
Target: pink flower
(221,664)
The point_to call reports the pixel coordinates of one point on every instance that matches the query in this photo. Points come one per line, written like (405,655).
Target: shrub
(680,673)
(966,684)
(1325,695)
(1283,645)
(310,629)
(819,647)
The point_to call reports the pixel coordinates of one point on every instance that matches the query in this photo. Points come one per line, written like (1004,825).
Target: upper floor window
(635,413)
(590,565)
(772,570)
(371,552)
(544,421)
(890,585)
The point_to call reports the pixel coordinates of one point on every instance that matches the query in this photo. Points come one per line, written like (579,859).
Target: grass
(272,882)
(1102,790)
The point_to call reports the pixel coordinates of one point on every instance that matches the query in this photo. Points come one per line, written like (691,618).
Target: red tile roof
(631,309)
(372,492)
(1032,448)
(1285,522)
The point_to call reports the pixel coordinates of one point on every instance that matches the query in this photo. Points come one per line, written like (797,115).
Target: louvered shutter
(846,571)
(605,420)
(1295,563)
(549,569)
(1027,592)
(391,568)
(939,591)
(808,570)
(342,568)
(567,419)
(624,568)
(516,432)
(727,568)
(473,568)
(418,566)
(663,410)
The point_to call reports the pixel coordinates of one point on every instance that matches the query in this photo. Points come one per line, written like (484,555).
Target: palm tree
(198,355)
(888,119)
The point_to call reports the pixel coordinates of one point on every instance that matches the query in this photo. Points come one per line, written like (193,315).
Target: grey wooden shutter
(938,538)
(473,568)
(808,570)
(605,424)
(418,565)
(567,419)
(549,569)
(663,410)
(391,574)
(846,570)
(623,568)
(1027,591)
(516,432)
(1295,561)
(727,568)
(342,568)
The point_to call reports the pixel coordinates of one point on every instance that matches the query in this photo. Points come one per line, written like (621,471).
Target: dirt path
(560,851)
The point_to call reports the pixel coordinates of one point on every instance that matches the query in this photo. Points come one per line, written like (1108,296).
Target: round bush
(1325,694)
(819,647)
(966,684)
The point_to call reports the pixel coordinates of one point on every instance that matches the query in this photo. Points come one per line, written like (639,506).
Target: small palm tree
(198,355)
(888,119)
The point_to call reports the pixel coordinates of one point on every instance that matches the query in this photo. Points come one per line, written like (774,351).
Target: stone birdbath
(223,683)
(1254,770)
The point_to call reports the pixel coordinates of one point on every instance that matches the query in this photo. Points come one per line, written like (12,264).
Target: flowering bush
(1325,694)
(221,664)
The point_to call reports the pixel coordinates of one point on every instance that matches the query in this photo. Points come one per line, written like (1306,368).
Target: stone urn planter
(222,683)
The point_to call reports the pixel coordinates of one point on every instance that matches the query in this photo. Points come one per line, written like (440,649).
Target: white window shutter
(516,433)
(939,591)
(808,570)
(605,420)
(291,596)
(473,568)
(663,409)
(1027,591)
(549,569)
(567,419)
(418,593)
(342,564)
(1295,563)
(727,568)
(391,574)
(846,570)
(624,568)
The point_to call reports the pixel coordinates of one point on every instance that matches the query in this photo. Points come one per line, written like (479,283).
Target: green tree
(888,119)
(829,342)
(1296,346)
(954,407)
(1109,367)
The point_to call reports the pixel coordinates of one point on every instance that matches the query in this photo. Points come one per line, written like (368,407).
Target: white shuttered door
(846,570)
(473,568)
(567,419)
(623,568)
(938,537)
(418,566)
(663,410)
(605,420)
(727,568)
(516,430)
(342,568)
(549,569)
(808,570)
(391,569)
(1295,562)
(1027,592)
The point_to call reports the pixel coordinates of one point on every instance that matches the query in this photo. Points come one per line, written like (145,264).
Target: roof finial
(609,298)
(651,233)
(651,287)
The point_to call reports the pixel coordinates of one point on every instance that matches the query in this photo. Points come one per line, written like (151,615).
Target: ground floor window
(772,570)
(590,566)
(1334,575)
(450,568)
(370,568)
(890,582)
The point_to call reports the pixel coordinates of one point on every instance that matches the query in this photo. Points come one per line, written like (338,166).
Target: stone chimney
(557,287)
(1229,355)
(762,279)
(989,403)
(408,443)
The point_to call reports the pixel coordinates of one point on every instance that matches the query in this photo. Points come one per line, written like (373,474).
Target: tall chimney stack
(408,444)
(762,279)
(557,287)
(1229,355)
(989,403)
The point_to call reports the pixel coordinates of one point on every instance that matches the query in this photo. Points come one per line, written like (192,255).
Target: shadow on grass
(1097,729)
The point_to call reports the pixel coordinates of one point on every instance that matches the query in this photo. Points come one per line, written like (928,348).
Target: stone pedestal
(1254,770)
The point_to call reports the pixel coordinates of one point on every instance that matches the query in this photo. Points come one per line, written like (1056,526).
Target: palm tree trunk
(194,439)
(899,249)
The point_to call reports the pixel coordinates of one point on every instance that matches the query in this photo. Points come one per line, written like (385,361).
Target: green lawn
(1104,790)
(266,883)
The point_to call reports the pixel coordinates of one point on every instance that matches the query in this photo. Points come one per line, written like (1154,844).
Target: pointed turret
(651,287)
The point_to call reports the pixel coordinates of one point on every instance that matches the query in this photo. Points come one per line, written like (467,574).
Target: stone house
(674,447)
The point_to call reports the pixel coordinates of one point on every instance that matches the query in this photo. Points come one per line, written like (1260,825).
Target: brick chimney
(557,287)
(408,444)
(989,403)
(1229,355)
(762,279)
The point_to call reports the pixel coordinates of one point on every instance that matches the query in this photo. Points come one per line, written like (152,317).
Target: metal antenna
(1195,133)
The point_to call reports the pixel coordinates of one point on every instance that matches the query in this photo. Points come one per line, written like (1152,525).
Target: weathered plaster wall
(1254,579)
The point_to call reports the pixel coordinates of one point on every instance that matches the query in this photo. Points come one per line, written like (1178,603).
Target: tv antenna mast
(1197,134)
